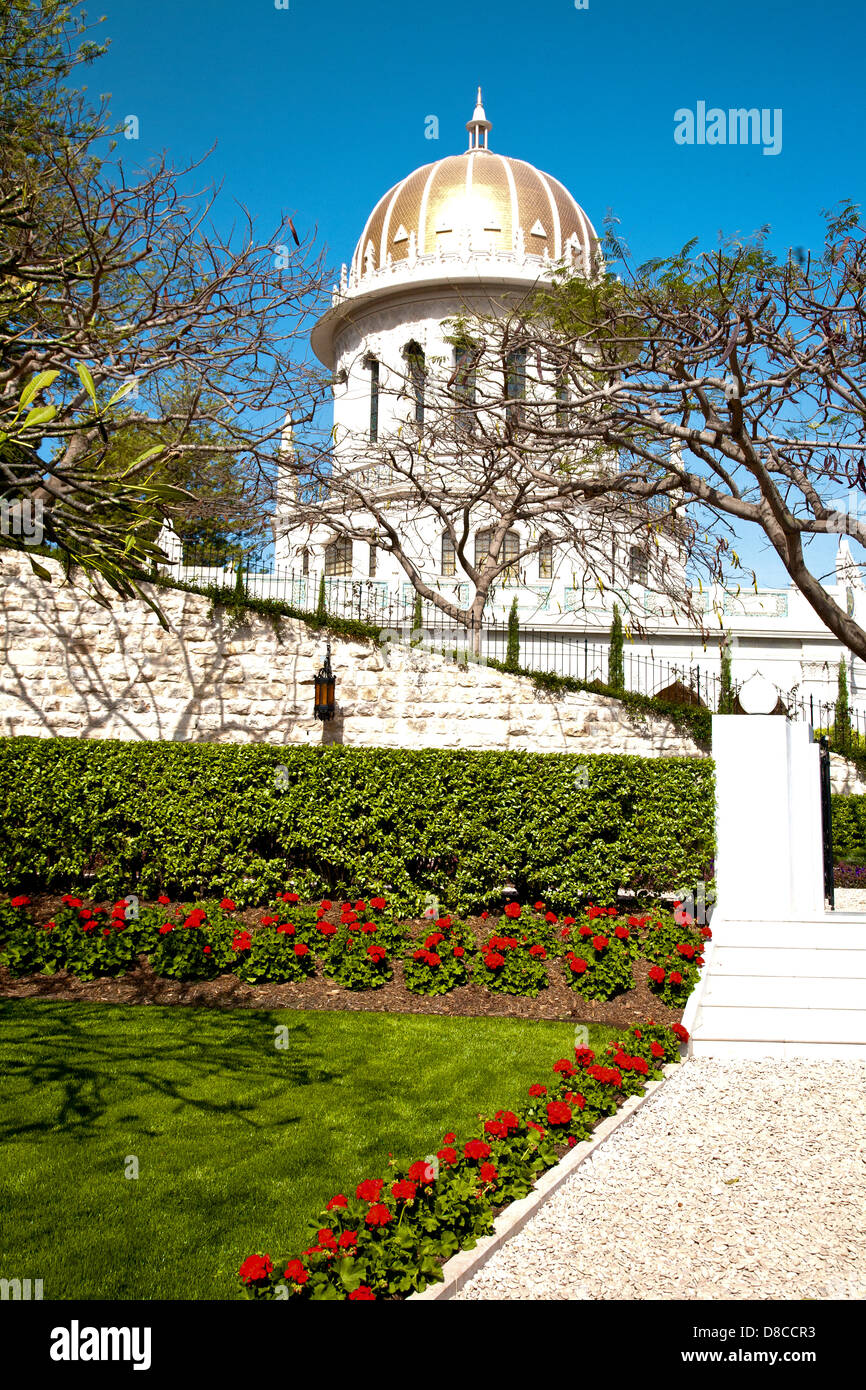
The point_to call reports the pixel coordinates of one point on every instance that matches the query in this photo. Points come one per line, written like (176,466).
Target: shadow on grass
(44,1048)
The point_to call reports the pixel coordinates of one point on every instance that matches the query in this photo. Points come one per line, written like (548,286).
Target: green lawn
(237,1142)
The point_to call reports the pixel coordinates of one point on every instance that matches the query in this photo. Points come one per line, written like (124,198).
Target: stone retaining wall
(72,668)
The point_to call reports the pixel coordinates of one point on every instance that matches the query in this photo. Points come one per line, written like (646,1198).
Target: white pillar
(769,861)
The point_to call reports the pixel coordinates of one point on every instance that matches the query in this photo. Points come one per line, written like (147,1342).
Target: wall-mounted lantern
(325,686)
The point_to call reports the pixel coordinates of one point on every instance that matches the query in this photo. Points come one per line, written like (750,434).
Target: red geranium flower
(621,932)
(21,901)
(564,1067)
(657,974)
(242,941)
(538,950)
(300,949)
(327,928)
(577,965)
(476,1148)
(166,927)
(447,1155)
(679,1031)
(348,1240)
(255,1267)
(584,1056)
(326,1238)
(550,917)
(338,1201)
(162,900)
(378,1215)
(512,910)
(422,1171)
(459,951)
(376,953)
(599,942)
(537,1090)
(487,1173)
(377,903)
(286,929)
(558,1113)
(227,905)
(493,960)
(369,1190)
(675,978)
(295,1271)
(404,1191)
(495,1129)
(657,1050)
(326,904)
(362,1294)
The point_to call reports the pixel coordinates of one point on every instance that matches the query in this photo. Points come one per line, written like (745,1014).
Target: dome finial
(478,126)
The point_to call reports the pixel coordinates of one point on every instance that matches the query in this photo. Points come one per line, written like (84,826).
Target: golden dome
(478,202)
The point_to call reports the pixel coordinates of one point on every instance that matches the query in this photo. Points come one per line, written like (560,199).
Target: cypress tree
(418,615)
(842,725)
(616,664)
(322,609)
(726,685)
(512,651)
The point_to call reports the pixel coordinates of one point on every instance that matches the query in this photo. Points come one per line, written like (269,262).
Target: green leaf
(87,382)
(36,384)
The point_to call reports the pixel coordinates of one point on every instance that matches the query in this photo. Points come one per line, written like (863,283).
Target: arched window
(509,552)
(449,557)
(372,365)
(563,408)
(416,370)
(338,558)
(545,560)
(515,385)
(638,566)
(465,357)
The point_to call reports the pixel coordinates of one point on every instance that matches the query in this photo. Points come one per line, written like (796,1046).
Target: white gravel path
(735,1180)
(850,899)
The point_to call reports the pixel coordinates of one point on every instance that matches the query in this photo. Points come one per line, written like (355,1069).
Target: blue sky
(315,110)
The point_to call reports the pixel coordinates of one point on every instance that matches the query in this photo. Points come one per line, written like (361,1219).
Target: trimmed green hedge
(249,820)
(849,829)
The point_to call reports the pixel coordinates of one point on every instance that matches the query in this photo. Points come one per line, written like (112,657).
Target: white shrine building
(457,237)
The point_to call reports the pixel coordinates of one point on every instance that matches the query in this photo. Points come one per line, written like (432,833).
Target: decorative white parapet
(769,863)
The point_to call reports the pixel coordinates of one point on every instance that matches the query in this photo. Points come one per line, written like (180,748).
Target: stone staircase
(782,989)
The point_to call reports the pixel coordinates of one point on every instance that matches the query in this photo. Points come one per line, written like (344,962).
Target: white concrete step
(781,1025)
(792,992)
(793,962)
(841,931)
(739,1048)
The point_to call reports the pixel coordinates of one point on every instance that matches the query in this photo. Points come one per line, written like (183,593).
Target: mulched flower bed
(142,986)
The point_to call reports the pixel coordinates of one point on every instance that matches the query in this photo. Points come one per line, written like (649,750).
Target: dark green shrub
(209,820)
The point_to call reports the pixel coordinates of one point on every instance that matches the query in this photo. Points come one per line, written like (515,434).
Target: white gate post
(769,861)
